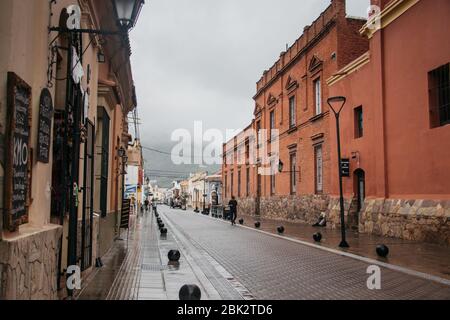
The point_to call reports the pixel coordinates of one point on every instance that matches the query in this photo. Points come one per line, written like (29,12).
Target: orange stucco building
(291,98)
(395,125)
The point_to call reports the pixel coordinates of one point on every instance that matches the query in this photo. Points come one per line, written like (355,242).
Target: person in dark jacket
(233,210)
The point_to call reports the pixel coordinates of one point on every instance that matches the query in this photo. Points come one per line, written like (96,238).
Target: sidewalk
(422,257)
(138,269)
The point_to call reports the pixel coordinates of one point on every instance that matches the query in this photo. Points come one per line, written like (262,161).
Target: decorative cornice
(301,53)
(315,64)
(389,14)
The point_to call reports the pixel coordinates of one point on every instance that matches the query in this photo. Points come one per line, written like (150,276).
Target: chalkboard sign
(18,153)
(45,125)
(125,216)
(345,163)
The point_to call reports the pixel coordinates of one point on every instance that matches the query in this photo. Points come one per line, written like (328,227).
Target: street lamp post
(342,101)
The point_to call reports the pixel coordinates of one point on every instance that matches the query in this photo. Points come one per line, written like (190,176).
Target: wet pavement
(138,268)
(272,267)
(427,258)
(235,263)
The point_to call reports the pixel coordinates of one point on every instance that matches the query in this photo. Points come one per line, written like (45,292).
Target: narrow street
(236,263)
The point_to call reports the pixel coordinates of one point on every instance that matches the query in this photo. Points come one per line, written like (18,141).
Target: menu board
(45,125)
(18,153)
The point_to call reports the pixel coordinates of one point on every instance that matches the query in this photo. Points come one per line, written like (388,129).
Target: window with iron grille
(105,121)
(226,185)
(292,112)
(239,184)
(258,132)
(272,125)
(272,179)
(293,173)
(247,186)
(439,95)
(318,96)
(232,184)
(359,125)
(319,168)
(247,151)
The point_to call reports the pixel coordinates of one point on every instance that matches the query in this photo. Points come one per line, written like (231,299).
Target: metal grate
(439,87)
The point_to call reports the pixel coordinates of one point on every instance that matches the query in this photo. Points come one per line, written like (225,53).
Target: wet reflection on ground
(423,257)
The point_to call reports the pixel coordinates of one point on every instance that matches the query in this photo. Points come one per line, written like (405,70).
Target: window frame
(318,107)
(239,183)
(359,122)
(272,179)
(439,96)
(247,186)
(318,169)
(272,124)
(293,172)
(292,112)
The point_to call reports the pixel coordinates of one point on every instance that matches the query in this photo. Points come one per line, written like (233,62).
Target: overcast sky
(200,59)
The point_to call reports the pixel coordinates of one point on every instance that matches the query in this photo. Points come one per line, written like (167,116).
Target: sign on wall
(345,163)
(18,153)
(132,177)
(45,125)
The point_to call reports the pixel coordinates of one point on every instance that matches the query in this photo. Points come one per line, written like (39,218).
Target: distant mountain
(159,166)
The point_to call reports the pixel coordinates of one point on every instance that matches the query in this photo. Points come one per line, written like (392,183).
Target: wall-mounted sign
(345,163)
(18,153)
(45,125)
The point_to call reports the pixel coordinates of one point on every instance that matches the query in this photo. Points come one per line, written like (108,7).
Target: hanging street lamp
(127,12)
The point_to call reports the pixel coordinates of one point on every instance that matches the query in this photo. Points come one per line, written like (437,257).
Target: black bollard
(280,229)
(257,225)
(241,221)
(190,292)
(174,255)
(163,231)
(317,237)
(161,225)
(382,250)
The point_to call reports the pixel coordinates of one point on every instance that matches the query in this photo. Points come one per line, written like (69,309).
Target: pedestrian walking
(233,210)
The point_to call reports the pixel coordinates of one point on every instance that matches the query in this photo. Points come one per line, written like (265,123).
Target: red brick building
(291,98)
(395,126)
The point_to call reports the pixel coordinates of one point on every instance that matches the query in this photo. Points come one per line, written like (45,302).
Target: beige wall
(25,39)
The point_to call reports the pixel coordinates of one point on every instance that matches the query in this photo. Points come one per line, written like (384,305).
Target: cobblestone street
(236,263)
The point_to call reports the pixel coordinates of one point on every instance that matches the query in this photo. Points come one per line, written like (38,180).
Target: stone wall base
(334,214)
(29,264)
(304,208)
(420,220)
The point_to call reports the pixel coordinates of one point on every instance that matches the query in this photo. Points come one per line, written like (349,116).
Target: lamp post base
(344,244)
